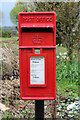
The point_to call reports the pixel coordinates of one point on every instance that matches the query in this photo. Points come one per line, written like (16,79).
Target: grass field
(66,74)
(8,39)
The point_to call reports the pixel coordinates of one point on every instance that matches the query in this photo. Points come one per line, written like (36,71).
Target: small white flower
(64,57)
(67,58)
(61,45)
(60,53)
(45,107)
(58,44)
(57,56)
(65,53)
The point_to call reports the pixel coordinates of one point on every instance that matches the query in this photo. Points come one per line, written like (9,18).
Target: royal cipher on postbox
(37,55)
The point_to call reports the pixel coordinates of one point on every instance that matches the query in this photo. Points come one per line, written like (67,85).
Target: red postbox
(37,55)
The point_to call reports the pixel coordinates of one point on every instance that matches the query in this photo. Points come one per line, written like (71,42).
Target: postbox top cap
(37,13)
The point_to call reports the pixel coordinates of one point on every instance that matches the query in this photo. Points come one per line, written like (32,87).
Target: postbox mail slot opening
(37,29)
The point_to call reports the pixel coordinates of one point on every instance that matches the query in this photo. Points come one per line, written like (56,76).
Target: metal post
(39,109)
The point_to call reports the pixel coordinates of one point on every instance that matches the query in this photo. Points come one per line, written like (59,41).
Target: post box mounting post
(39,109)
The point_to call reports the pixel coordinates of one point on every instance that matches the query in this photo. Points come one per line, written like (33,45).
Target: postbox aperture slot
(37,29)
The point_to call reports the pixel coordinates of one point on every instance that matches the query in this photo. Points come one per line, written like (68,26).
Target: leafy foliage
(66,74)
(66,69)
(19,7)
(6,34)
(67,20)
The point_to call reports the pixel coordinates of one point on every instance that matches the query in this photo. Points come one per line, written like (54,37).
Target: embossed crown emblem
(37,39)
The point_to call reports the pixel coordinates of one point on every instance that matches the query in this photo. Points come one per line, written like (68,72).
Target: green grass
(8,39)
(66,74)
(67,89)
(60,49)
(16,42)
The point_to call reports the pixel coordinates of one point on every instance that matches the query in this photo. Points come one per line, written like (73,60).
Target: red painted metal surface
(37,30)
